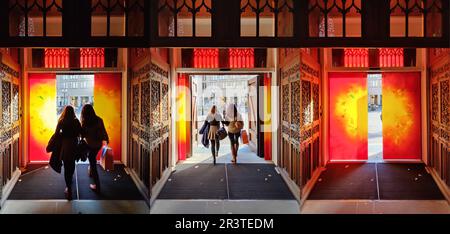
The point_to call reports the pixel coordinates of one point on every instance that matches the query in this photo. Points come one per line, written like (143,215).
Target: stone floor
(375,207)
(74,207)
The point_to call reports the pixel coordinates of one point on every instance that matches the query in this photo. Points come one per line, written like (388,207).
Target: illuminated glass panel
(206,58)
(241,58)
(356,57)
(56,58)
(92,57)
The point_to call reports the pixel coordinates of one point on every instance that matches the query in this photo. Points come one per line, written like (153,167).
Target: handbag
(107,158)
(244,137)
(82,151)
(239,124)
(54,143)
(54,146)
(221,133)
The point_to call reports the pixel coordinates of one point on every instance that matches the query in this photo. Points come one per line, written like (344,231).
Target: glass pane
(184,19)
(136,19)
(54,20)
(353,23)
(315,16)
(203,19)
(98,18)
(248,18)
(285,19)
(117,19)
(415,19)
(15,20)
(35,22)
(166,21)
(434,19)
(267,23)
(397,21)
(335,22)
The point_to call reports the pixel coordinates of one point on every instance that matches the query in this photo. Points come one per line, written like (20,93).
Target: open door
(108,105)
(253,113)
(194,117)
(42,118)
(348,119)
(401,116)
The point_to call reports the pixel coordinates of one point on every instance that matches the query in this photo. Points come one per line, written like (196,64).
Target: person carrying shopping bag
(94,132)
(235,123)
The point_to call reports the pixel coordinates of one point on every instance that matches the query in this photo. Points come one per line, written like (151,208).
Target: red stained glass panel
(356,57)
(241,58)
(56,58)
(206,58)
(391,57)
(92,58)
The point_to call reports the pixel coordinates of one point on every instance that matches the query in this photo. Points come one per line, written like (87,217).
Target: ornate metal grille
(330,18)
(405,15)
(184,18)
(267,18)
(30,18)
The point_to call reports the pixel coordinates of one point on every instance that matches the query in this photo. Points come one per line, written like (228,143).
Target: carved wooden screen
(439,157)
(149,154)
(9,120)
(300,118)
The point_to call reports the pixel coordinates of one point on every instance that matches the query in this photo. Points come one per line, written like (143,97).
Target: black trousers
(92,156)
(215,145)
(69,169)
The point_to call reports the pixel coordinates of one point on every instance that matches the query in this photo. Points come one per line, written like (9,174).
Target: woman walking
(68,129)
(214,118)
(94,132)
(233,120)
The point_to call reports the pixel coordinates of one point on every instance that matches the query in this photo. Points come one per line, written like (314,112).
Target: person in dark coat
(94,132)
(69,130)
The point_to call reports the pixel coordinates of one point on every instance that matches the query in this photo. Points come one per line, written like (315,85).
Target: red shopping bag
(244,137)
(107,158)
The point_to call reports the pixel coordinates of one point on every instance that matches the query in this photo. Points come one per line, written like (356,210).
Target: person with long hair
(233,120)
(94,132)
(214,118)
(69,129)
